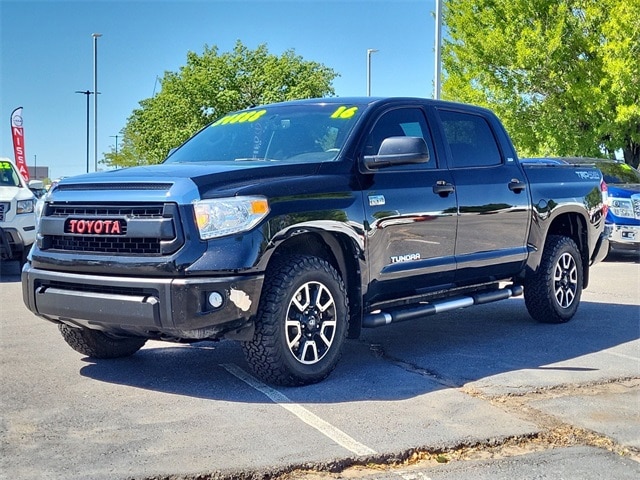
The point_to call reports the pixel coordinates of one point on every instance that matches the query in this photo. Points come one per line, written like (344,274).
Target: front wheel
(301,323)
(97,344)
(552,294)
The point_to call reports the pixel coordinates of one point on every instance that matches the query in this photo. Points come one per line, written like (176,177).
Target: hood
(18,193)
(186,181)
(623,189)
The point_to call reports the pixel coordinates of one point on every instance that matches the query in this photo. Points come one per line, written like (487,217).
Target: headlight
(25,206)
(39,209)
(226,216)
(620,207)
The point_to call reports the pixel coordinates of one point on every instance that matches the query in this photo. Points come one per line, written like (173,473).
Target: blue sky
(47,54)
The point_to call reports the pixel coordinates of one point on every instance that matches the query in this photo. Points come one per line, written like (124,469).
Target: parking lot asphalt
(470,386)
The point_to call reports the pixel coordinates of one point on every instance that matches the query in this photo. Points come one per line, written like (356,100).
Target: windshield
(8,175)
(614,173)
(292,133)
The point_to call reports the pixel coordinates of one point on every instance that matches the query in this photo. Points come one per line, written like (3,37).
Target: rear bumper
(171,308)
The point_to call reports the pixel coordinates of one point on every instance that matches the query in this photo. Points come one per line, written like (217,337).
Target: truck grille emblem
(95,227)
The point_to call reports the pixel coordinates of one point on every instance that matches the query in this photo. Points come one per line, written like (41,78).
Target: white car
(17,214)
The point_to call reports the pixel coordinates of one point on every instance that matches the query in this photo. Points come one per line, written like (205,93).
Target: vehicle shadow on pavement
(623,256)
(404,360)
(9,271)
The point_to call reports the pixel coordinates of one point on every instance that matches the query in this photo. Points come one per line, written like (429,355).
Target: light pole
(87,93)
(116,137)
(369,52)
(95,99)
(438,67)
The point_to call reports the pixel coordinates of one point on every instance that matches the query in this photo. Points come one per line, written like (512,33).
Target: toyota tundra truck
(290,227)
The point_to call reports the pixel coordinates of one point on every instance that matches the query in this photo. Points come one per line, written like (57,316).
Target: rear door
(410,213)
(493,200)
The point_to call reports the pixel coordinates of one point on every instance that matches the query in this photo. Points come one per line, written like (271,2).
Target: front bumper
(14,241)
(601,249)
(163,308)
(623,235)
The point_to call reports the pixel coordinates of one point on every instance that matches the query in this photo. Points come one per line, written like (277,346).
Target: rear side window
(471,140)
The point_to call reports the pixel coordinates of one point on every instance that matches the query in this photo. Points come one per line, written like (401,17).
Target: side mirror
(399,151)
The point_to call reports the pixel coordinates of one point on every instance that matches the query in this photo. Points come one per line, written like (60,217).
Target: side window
(401,122)
(470,140)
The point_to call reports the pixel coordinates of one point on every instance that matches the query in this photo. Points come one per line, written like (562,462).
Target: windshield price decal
(242,117)
(5,166)
(344,112)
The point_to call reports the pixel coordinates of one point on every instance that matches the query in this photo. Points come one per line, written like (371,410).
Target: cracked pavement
(461,395)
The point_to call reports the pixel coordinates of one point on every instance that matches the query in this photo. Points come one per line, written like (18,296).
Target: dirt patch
(553,434)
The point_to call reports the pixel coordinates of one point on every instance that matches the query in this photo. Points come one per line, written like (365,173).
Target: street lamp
(438,65)
(87,93)
(95,99)
(116,137)
(369,52)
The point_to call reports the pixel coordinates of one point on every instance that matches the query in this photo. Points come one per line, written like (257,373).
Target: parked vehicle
(38,188)
(623,184)
(17,217)
(292,226)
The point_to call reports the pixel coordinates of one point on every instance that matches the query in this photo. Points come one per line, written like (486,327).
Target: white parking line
(311,419)
(622,355)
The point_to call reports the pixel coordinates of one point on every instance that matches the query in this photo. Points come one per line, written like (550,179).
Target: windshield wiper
(251,159)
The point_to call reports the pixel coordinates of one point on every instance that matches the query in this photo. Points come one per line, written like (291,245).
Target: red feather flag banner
(17,132)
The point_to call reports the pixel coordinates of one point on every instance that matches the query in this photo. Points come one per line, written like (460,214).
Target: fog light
(215,299)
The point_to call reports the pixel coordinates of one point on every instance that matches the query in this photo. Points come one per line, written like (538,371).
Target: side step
(380,318)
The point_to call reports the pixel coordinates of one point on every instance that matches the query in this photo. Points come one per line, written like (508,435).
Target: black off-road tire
(96,344)
(302,322)
(552,294)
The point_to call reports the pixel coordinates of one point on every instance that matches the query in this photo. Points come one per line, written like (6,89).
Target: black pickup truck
(290,227)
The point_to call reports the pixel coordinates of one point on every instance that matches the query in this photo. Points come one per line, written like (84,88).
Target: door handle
(516,185)
(443,188)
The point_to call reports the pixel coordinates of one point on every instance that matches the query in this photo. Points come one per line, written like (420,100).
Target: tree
(209,86)
(564,75)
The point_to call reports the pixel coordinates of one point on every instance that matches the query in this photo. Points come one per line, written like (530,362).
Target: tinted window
(401,122)
(470,140)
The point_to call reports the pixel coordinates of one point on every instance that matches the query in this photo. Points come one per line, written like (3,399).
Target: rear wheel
(301,323)
(552,294)
(97,344)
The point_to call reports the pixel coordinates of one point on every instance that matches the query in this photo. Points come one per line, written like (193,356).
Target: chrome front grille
(635,200)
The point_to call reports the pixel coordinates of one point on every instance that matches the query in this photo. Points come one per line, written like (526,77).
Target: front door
(411,215)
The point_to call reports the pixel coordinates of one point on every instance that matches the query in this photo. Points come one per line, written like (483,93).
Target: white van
(17,214)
